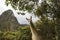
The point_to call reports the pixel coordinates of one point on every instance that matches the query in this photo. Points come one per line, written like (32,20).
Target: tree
(22,4)
(24,33)
(48,9)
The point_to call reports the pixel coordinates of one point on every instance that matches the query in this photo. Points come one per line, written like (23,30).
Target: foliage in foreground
(23,33)
(49,30)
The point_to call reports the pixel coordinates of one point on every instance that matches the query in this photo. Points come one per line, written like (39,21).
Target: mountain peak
(8,21)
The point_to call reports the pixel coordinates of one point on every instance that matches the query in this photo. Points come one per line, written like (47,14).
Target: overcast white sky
(21,19)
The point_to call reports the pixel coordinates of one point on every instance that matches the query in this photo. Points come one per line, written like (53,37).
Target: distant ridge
(8,21)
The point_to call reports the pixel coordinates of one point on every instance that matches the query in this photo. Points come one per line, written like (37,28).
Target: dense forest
(48,23)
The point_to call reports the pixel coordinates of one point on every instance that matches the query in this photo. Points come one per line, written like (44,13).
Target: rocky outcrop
(8,21)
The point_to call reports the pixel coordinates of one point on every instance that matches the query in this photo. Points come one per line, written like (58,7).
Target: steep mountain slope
(8,21)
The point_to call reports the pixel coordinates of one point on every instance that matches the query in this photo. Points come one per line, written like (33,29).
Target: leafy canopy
(22,4)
